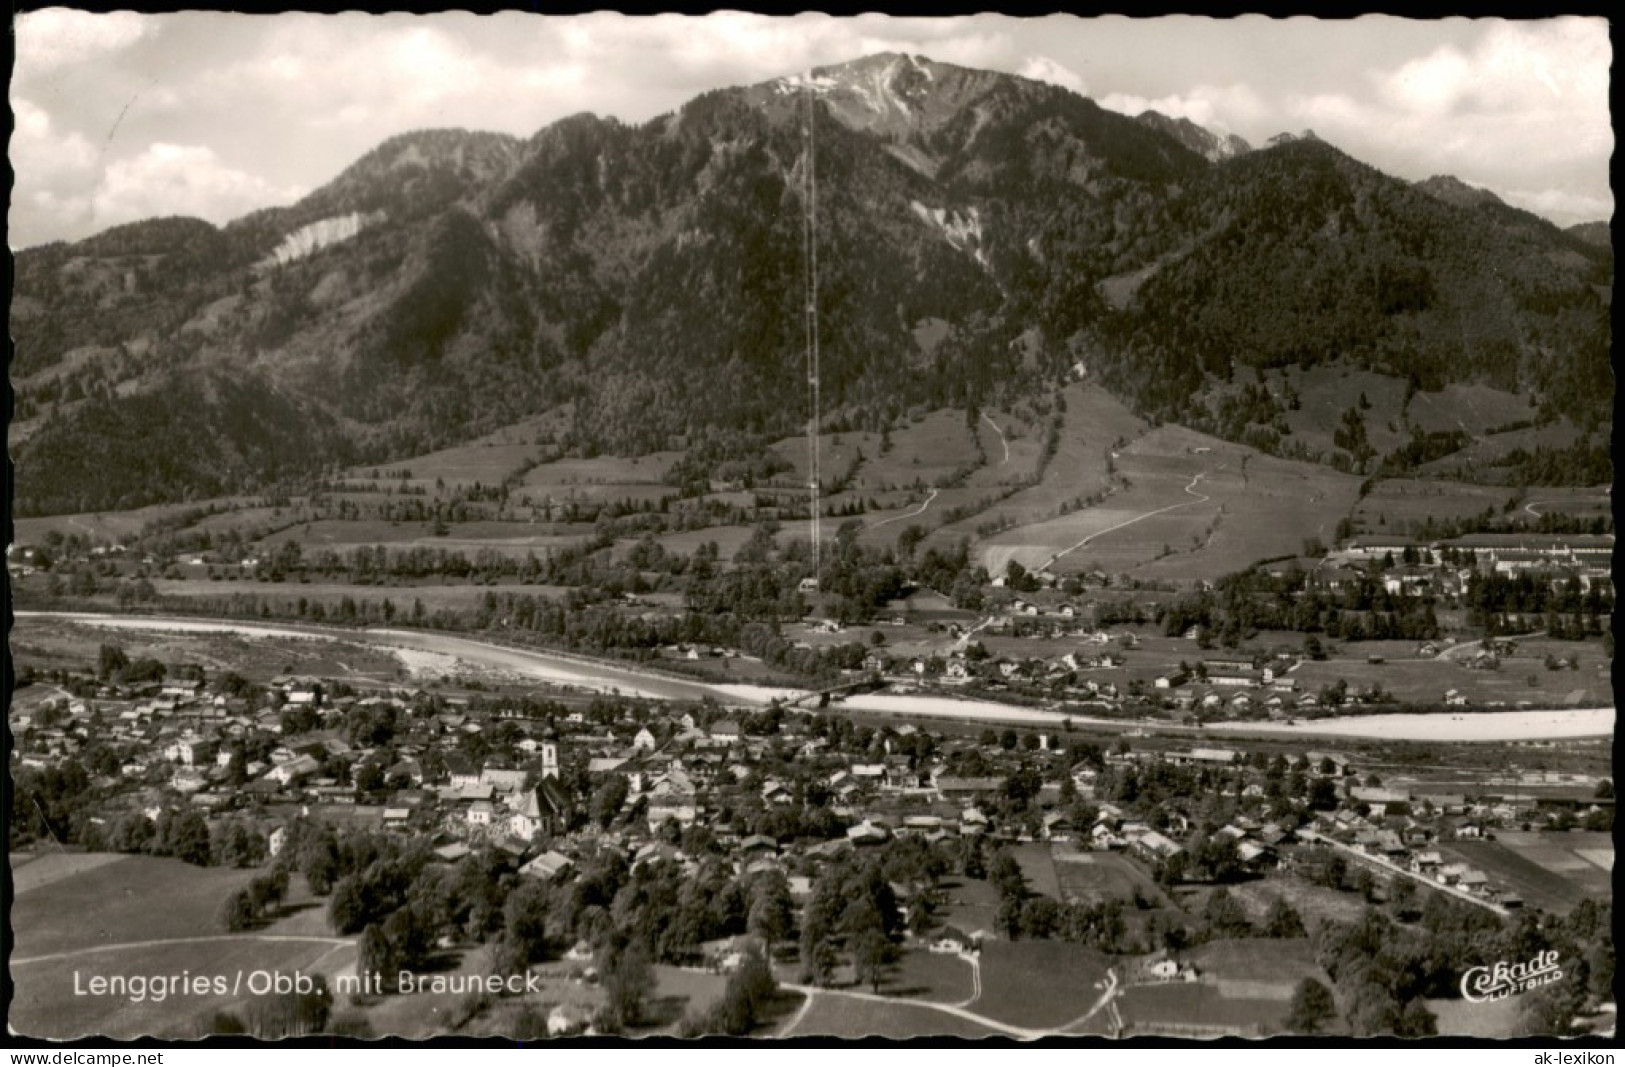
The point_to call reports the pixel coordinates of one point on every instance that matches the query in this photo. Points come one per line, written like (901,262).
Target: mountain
(1205,143)
(1593,233)
(646,282)
(1456,192)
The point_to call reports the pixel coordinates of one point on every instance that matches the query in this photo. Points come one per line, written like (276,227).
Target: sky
(123,116)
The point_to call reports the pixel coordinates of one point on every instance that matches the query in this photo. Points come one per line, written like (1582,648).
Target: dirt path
(1191,489)
(808,996)
(336,942)
(1530,507)
(1002,439)
(948,1009)
(1104,1003)
(916,512)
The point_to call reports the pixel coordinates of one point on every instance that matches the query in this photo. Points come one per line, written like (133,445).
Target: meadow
(1039,984)
(1544,869)
(1193,506)
(82,916)
(1184,1008)
(1095,877)
(832,1015)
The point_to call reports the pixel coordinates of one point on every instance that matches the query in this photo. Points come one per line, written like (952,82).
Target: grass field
(1179,1007)
(1037,864)
(1316,905)
(1039,984)
(80,917)
(1427,680)
(33,870)
(1092,423)
(922,975)
(46,1003)
(1549,870)
(1460,1018)
(103,526)
(116,902)
(1486,452)
(433,596)
(487,460)
(832,1015)
(509,538)
(1194,506)
(933,448)
(1012,442)
(1474,408)
(1326,392)
(1094,877)
(55,641)
(1257,968)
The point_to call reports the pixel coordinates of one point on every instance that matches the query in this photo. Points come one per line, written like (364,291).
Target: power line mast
(809,229)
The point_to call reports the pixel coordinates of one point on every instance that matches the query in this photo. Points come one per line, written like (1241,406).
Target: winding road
(960,1010)
(336,942)
(1191,489)
(917,511)
(1002,439)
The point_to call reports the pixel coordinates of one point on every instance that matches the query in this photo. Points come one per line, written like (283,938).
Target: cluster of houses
(1587,557)
(179,743)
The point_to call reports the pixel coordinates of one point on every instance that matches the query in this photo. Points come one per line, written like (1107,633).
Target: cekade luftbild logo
(1502,980)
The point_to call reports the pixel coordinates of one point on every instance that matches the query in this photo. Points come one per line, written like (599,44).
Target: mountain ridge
(647,278)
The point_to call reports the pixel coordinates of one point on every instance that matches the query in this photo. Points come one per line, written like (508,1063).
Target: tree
(293,1014)
(745,1000)
(771,916)
(1283,920)
(184,835)
(376,956)
(524,916)
(608,800)
(1312,1008)
(133,832)
(873,955)
(628,981)
(111,661)
(1224,916)
(238,911)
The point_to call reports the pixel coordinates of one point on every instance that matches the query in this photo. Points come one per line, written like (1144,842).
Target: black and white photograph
(788,528)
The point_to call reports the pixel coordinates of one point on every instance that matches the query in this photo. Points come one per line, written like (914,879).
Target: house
(952,941)
(547,866)
(725,730)
(503,780)
(1155,846)
(460,771)
(480,813)
(187,750)
(644,741)
(539,811)
(759,844)
(866,833)
(293,770)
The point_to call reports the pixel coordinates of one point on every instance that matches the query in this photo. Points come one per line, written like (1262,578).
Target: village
(468,775)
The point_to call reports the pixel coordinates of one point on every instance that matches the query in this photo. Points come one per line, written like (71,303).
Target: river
(604,677)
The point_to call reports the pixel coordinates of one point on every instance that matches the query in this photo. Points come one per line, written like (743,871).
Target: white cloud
(55,175)
(1220,108)
(1506,105)
(1432,84)
(1562,206)
(58,37)
(168,179)
(1045,69)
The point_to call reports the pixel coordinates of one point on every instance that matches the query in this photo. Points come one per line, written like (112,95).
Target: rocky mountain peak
(1204,142)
